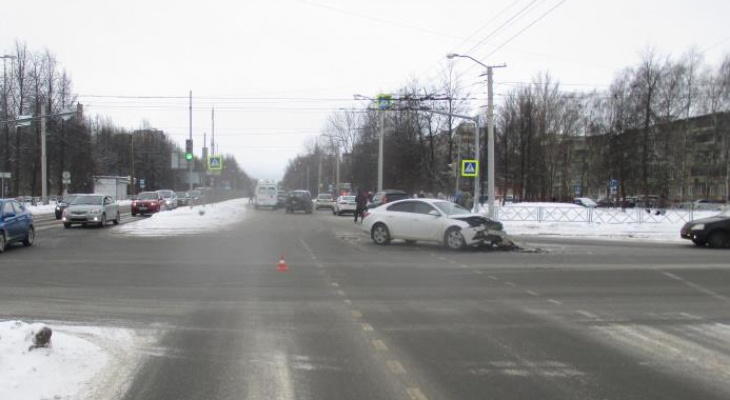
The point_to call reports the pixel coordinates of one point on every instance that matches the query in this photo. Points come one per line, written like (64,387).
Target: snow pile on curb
(663,232)
(186,221)
(75,366)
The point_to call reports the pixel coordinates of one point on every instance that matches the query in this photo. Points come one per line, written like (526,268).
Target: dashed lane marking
(395,367)
(492,277)
(478,272)
(356,314)
(335,284)
(510,284)
(379,345)
(348,301)
(442,258)
(367,327)
(452,261)
(340,292)
(416,394)
(531,293)
(463,266)
(587,314)
(556,302)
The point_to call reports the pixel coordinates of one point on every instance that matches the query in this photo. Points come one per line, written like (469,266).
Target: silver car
(96,209)
(170,198)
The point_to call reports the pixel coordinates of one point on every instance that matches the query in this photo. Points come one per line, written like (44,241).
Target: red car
(148,203)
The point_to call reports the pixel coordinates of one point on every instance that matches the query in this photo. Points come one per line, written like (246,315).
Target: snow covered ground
(616,226)
(51,207)
(186,221)
(81,363)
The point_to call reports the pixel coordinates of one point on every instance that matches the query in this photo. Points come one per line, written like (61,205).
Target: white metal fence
(597,215)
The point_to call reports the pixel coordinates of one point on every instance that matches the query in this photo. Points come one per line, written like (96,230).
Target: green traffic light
(189,156)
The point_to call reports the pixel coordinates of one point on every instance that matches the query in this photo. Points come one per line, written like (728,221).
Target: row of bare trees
(32,83)
(642,131)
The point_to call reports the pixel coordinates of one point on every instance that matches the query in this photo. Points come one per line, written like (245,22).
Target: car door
(424,225)
(11,222)
(112,207)
(23,216)
(397,217)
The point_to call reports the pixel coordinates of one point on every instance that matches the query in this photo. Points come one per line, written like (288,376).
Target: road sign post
(3,177)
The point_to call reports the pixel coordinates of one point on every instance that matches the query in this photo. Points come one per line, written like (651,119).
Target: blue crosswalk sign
(469,168)
(215,163)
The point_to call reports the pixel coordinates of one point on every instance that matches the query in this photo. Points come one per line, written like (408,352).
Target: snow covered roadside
(187,221)
(81,363)
(50,208)
(662,232)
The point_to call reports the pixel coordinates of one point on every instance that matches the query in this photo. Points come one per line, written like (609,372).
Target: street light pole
(380,150)
(44,158)
(490,131)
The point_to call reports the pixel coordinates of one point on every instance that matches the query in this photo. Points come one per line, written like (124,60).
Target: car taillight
(365,215)
(385,199)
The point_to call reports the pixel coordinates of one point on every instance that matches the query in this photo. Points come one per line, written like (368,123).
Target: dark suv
(713,231)
(387,196)
(299,200)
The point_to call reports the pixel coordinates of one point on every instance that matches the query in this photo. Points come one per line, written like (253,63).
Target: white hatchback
(344,204)
(431,220)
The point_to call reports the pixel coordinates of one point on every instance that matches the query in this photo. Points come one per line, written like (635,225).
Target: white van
(266,195)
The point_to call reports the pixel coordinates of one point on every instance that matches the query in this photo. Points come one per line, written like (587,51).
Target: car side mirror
(434,213)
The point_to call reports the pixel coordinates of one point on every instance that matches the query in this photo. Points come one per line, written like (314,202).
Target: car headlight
(95,211)
(698,227)
(58,208)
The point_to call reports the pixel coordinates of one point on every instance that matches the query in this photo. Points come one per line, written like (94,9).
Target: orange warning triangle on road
(282,264)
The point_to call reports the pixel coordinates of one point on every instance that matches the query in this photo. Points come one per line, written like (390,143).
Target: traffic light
(189,149)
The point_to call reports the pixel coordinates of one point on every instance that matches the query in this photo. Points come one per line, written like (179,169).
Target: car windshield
(68,199)
(384,199)
(88,200)
(450,208)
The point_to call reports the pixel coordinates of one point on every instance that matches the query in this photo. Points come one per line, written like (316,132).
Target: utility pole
(191,162)
(44,158)
(337,171)
(380,150)
(490,140)
(319,169)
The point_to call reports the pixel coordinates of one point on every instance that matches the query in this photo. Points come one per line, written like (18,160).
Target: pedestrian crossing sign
(469,168)
(215,163)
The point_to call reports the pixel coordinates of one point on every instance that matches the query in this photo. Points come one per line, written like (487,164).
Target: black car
(62,204)
(387,196)
(713,231)
(299,200)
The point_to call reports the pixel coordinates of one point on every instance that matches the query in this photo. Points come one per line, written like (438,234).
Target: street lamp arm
(452,55)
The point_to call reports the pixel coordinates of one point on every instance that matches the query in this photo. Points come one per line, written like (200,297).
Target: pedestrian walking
(361,204)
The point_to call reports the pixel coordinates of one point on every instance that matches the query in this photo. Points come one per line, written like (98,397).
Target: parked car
(345,204)
(281,199)
(324,200)
(62,204)
(148,203)
(431,220)
(183,199)
(713,231)
(584,201)
(299,200)
(87,209)
(196,196)
(170,199)
(387,196)
(16,224)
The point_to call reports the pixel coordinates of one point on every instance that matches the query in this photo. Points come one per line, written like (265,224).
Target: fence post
(539,214)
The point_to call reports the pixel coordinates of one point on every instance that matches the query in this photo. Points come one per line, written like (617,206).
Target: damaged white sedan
(431,220)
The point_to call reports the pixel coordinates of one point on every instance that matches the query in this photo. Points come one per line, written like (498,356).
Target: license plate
(143,209)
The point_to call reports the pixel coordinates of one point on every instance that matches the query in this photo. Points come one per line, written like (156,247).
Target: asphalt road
(560,319)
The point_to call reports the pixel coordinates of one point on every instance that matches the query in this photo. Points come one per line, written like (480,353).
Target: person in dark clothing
(361,202)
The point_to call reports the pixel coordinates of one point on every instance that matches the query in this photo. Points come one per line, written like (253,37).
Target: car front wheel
(380,234)
(29,237)
(117,219)
(454,240)
(3,242)
(718,239)
(103,220)
(699,243)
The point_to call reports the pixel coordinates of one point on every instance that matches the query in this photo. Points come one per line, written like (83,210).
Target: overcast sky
(275,69)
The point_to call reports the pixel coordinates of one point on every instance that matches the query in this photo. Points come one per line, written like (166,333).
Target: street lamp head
(452,55)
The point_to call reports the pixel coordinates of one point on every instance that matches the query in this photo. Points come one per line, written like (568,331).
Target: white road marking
(587,314)
(452,261)
(531,293)
(379,345)
(556,302)
(367,327)
(478,272)
(356,314)
(510,284)
(416,394)
(335,284)
(696,286)
(348,301)
(492,277)
(340,292)
(396,367)
(442,258)
(463,266)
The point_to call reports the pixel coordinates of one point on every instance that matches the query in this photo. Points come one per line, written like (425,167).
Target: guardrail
(597,215)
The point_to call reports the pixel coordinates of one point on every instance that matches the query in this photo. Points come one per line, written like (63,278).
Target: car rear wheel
(380,234)
(718,239)
(29,237)
(454,240)
(3,242)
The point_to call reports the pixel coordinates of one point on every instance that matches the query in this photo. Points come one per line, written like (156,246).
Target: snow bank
(187,221)
(76,366)
(664,232)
